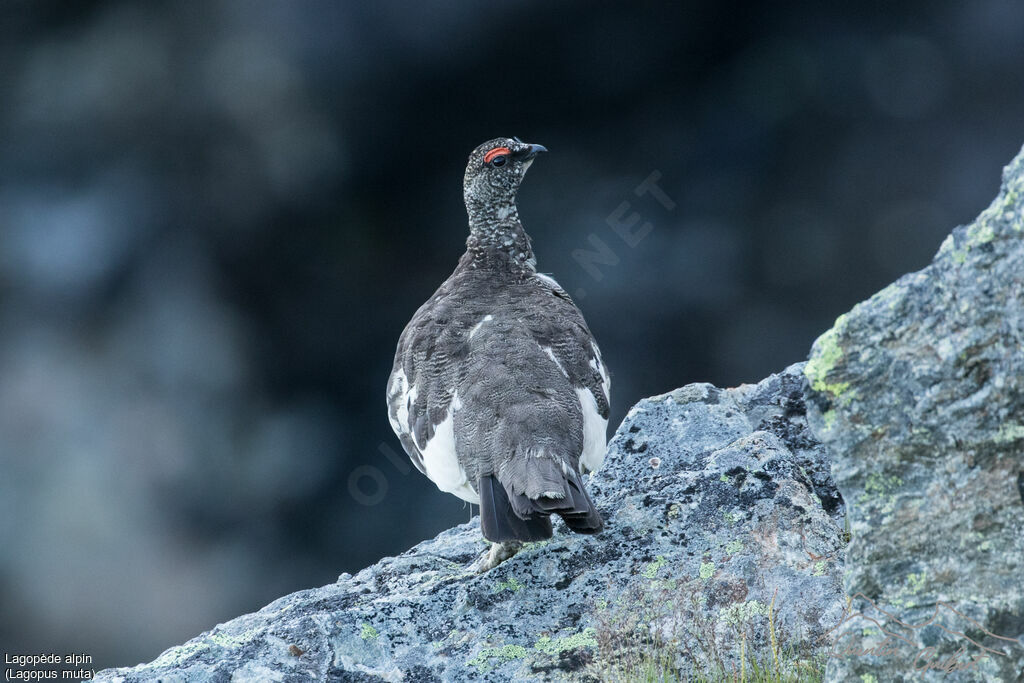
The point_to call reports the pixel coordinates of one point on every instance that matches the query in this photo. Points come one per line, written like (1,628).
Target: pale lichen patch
(825,355)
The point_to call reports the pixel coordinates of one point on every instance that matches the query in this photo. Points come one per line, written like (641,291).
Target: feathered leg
(498,553)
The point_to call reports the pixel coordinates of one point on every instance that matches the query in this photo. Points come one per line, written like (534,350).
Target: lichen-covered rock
(919,393)
(721,498)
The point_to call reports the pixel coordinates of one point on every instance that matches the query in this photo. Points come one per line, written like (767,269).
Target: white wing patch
(398,396)
(598,364)
(441,461)
(595,430)
(548,280)
(476,328)
(551,355)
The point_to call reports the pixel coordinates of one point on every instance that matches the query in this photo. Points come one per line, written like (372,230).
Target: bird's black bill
(530,152)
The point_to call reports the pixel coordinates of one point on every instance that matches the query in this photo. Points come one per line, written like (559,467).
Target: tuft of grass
(663,632)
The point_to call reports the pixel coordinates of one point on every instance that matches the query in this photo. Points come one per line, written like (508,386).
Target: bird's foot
(498,553)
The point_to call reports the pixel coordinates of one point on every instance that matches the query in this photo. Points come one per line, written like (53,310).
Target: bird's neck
(485,214)
(496,237)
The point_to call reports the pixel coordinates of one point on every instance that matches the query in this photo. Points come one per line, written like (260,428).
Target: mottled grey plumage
(498,391)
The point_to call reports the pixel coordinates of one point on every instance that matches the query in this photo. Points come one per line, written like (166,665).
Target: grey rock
(919,394)
(719,496)
(721,508)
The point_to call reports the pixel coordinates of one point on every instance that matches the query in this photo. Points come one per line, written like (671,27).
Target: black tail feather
(500,523)
(583,517)
(527,519)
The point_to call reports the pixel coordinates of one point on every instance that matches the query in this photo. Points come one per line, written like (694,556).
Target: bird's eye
(497,156)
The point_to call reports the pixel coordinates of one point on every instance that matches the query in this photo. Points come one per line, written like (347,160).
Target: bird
(498,392)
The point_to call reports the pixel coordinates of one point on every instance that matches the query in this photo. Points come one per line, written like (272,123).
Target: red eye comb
(497,151)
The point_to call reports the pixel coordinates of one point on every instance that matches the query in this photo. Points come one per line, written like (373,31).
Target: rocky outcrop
(725,546)
(719,509)
(919,394)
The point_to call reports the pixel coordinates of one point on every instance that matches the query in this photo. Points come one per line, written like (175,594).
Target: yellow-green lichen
(879,488)
(1011,199)
(819,568)
(368,632)
(553,646)
(725,478)
(880,483)
(179,654)
(829,417)
(868,678)
(532,545)
(673,510)
(1009,432)
(915,582)
(505,653)
(664,584)
(733,547)
(729,517)
(825,355)
(651,570)
(980,233)
(225,640)
(706,570)
(740,613)
(511,585)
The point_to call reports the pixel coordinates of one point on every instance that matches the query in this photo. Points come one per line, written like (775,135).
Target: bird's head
(494,172)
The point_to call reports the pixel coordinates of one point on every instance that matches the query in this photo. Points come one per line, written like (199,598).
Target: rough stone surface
(726,497)
(919,393)
(721,495)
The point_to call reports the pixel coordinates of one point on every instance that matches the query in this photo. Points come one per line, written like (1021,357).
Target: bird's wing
(422,395)
(563,335)
(572,343)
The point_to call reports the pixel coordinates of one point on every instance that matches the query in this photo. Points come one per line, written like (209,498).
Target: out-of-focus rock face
(919,394)
(716,501)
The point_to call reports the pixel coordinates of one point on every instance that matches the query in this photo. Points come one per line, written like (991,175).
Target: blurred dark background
(216,217)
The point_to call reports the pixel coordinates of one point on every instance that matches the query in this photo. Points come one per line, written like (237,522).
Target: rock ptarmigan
(498,391)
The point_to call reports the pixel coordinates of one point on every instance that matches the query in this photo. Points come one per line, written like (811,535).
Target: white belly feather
(594,432)
(441,461)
